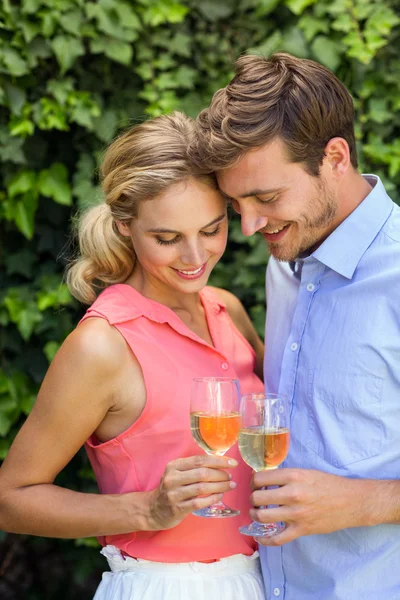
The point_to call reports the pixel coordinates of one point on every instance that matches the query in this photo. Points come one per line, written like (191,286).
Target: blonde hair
(139,165)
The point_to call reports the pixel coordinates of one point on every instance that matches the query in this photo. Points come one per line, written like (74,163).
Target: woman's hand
(187,485)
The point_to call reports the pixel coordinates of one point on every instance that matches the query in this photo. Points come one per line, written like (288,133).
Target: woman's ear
(123,228)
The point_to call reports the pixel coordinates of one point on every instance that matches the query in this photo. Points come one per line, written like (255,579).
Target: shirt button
(277,592)
(310,287)
(224,366)
(293,347)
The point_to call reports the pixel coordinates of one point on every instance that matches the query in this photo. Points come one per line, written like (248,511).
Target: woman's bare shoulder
(95,342)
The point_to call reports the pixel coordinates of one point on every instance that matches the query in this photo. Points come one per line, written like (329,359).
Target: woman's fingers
(200,502)
(205,489)
(203,461)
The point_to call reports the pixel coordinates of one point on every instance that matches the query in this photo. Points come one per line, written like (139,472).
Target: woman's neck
(153,289)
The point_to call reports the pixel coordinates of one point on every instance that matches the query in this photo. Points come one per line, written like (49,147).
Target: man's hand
(187,485)
(310,502)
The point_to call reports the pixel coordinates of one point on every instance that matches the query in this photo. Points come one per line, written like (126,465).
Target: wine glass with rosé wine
(215,424)
(264,443)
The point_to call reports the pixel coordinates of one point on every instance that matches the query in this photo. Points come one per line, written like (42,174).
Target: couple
(278,142)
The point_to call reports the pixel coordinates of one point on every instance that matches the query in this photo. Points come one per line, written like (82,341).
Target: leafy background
(72,74)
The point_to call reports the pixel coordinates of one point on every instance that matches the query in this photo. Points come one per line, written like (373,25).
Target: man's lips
(276,237)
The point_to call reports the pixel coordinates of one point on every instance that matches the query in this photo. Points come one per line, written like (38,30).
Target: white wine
(215,433)
(263,448)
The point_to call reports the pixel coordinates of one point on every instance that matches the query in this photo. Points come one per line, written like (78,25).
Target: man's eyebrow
(256,192)
(162,230)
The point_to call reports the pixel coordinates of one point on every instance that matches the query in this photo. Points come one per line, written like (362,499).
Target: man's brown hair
(295,99)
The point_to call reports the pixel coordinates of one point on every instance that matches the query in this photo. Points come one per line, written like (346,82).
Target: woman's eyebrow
(162,230)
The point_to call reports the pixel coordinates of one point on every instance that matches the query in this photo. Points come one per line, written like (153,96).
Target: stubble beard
(321,213)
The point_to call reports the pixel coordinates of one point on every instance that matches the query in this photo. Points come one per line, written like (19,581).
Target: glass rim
(215,379)
(261,396)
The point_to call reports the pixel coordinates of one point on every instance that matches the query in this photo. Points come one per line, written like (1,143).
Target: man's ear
(337,156)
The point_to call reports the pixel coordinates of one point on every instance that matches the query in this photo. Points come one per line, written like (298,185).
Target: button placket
(311,271)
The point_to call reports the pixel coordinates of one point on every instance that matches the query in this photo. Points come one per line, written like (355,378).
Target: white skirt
(234,578)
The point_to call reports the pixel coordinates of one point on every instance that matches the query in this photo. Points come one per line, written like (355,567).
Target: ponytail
(106,257)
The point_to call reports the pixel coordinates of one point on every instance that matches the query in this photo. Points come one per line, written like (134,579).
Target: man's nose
(251,223)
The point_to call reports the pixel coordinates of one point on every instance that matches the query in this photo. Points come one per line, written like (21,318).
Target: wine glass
(264,443)
(215,423)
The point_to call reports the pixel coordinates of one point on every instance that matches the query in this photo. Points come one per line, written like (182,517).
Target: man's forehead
(252,180)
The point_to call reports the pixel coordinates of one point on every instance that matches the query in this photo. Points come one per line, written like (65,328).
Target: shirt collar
(344,248)
(129,304)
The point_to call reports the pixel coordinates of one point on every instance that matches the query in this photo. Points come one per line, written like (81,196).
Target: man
(281,139)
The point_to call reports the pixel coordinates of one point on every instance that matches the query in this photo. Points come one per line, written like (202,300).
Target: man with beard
(281,139)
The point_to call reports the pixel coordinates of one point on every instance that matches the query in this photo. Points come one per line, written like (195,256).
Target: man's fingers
(271,515)
(282,495)
(276,477)
(289,534)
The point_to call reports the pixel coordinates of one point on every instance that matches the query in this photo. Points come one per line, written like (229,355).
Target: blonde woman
(120,385)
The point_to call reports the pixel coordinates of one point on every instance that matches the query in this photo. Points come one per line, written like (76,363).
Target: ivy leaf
(311,26)
(25,314)
(22,182)
(67,49)
(30,7)
(127,15)
(71,21)
(106,125)
(215,10)
(378,110)
(24,214)
(293,41)
(53,183)
(16,65)
(16,97)
(119,51)
(21,263)
(271,44)
(327,51)
(298,6)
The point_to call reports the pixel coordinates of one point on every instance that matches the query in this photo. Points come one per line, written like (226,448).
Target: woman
(121,381)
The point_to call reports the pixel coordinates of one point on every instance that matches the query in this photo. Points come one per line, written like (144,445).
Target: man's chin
(282,255)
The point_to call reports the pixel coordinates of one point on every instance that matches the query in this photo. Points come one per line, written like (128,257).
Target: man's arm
(313,502)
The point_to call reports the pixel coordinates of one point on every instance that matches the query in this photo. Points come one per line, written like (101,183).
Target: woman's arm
(239,316)
(79,391)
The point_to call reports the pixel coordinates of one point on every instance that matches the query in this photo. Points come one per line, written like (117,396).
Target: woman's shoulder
(96,344)
(232,303)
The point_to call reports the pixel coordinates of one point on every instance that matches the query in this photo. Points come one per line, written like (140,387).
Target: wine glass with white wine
(215,423)
(264,443)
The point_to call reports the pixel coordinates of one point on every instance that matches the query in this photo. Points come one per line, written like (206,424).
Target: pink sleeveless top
(170,355)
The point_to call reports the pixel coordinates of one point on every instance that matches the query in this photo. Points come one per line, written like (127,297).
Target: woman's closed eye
(176,239)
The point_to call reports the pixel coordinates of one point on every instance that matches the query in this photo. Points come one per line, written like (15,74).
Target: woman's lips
(191,273)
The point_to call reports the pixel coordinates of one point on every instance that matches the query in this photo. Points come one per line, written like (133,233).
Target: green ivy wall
(72,74)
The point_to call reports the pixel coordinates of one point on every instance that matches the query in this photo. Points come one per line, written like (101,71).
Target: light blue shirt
(333,347)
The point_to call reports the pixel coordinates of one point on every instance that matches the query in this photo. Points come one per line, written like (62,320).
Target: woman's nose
(194,254)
